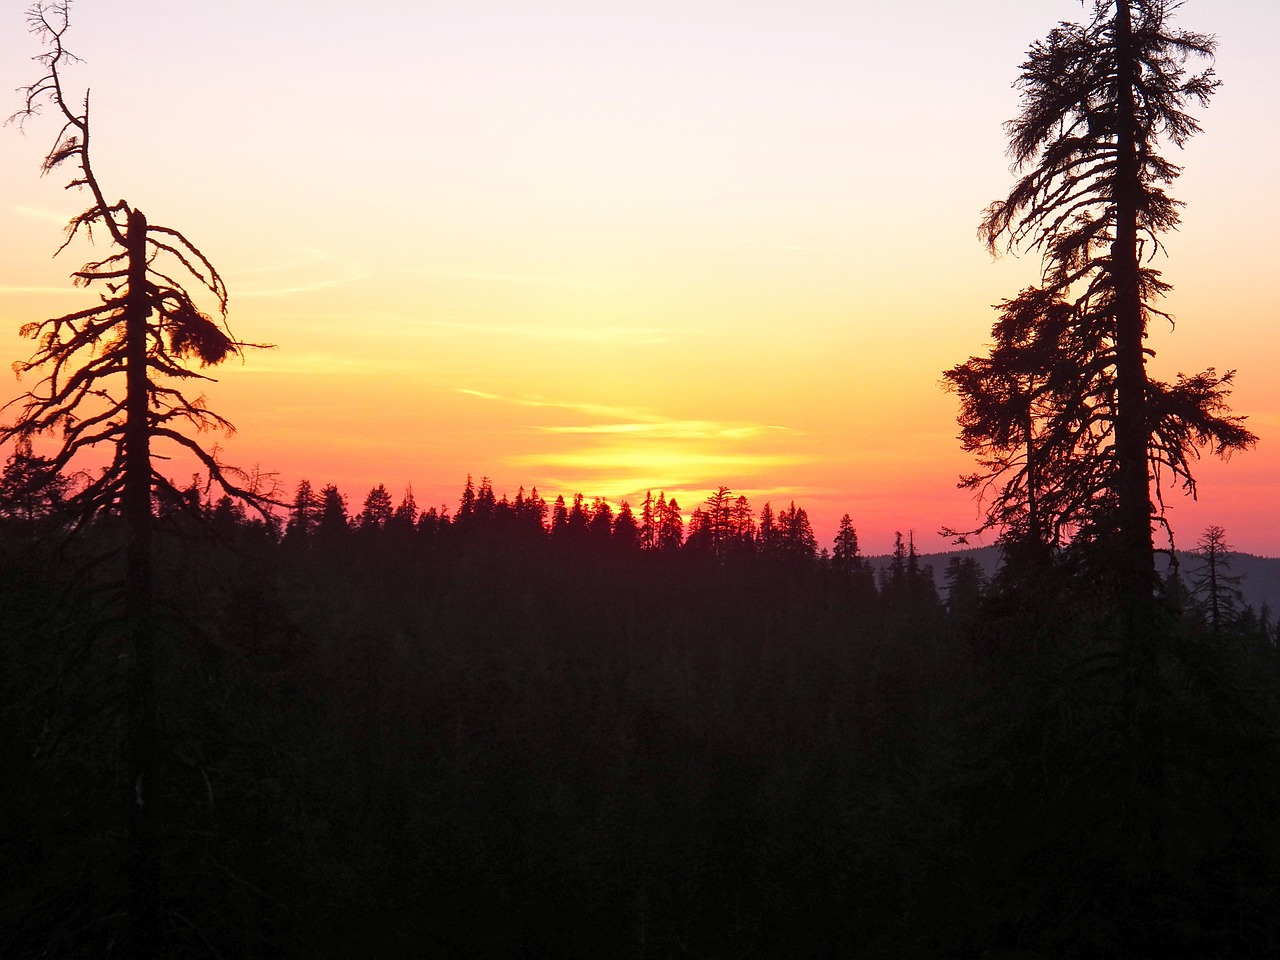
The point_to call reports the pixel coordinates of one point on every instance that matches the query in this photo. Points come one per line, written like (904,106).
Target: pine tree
(304,513)
(717,519)
(377,510)
(116,376)
(1099,436)
(467,503)
(333,512)
(601,523)
(671,531)
(648,523)
(30,486)
(406,514)
(742,525)
(559,517)
(626,532)
(1216,588)
(844,555)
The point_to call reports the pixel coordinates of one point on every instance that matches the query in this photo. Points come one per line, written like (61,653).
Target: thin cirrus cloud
(38,213)
(623,421)
(305,260)
(672,430)
(593,334)
(685,466)
(528,279)
(42,291)
(316,365)
(306,287)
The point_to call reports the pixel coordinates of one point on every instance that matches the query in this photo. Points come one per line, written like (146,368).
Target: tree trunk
(145,913)
(1135,549)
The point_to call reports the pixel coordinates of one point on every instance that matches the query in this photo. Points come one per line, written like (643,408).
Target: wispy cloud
(38,213)
(590,409)
(326,364)
(526,279)
(693,463)
(804,248)
(299,258)
(673,430)
(42,291)
(301,262)
(595,333)
(306,287)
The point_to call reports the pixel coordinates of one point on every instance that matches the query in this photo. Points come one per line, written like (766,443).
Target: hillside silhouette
(1259,576)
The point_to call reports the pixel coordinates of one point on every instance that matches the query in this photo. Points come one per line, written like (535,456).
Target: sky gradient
(607,248)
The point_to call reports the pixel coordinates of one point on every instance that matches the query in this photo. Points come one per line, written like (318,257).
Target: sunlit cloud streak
(592,409)
(643,422)
(672,430)
(308,287)
(36,213)
(304,260)
(42,291)
(303,257)
(693,461)
(325,364)
(588,334)
(512,278)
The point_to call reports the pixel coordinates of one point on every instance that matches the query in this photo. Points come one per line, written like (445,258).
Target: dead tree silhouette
(113,377)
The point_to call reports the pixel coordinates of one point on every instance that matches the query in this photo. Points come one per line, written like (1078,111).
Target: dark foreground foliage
(454,741)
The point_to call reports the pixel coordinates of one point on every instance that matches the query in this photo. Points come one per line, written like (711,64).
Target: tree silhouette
(845,557)
(406,514)
(377,510)
(648,522)
(304,513)
(1213,584)
(601,523)
(1063,412)
(30,489)
(626,532)
(143,331)
(670,524)
(112,377)
(331,519)
(717,519)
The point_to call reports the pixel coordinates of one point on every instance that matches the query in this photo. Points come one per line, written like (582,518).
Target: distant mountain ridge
(1260,582)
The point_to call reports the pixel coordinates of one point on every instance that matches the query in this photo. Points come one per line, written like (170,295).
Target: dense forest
(235,726)
(514,731)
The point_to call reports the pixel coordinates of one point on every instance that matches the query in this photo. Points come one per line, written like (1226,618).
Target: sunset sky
(603,247)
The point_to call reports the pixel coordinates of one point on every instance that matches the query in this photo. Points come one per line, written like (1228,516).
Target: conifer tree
(30,489)
(115,376)
(304,513)
(406,514)
(844,553)
(671,528)
(1070,426)
(332,518)
(559,517)
(1213,584)
(648,523)
(377,511)
(626,532)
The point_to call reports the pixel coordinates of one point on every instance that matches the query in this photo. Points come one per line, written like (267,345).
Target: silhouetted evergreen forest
(516,729)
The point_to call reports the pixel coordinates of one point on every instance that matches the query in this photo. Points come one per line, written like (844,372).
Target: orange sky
(602,248)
